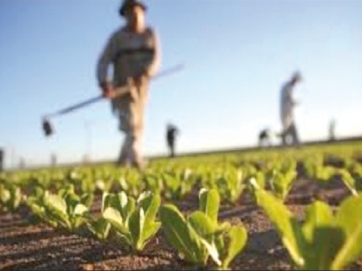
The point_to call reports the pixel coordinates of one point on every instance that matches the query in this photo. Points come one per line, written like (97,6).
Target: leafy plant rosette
(133,220)
(65,209)
(324,241)
(10,196)
(200,235)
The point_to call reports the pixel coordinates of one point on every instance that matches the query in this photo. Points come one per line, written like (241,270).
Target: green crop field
(274,208)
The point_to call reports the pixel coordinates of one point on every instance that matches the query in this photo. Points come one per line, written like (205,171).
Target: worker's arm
(152,67)
(105,59)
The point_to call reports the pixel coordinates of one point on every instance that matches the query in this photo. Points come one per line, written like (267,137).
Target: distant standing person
(332,129)
(1,159)
(53,159)
(171,134)
(287,107)
(264,138)
(134,52)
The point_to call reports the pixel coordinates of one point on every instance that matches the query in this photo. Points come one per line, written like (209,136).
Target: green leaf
(223,227)
(152,229)
(177,232)
(260,178)
(87,199)
(80,209)
(129,209)
(320,254)
(318,228)
(172,183)
(120,203)
(38,191)
(100,184)
(237,240)
(57,207)
(212,250)
(17,197)
(349,218)
(56,204)
(114,217)
(202,224)
(100,227)
(201,253)
(5,195)
(111,200)
(349,181)
(281,183)
(220,245)
(209,203)
(286,225)
(136,225)
(151,205)
(143,196)
(36,208)
(105,201)
(318,214)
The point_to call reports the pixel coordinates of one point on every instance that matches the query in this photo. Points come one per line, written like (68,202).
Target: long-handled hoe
(47,126)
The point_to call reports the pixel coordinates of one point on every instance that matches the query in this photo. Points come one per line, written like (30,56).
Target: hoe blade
(47,128)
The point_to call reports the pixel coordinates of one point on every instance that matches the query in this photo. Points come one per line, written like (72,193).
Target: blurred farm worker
(332,128)
(1,159)
(265,138)
(286,109)
(171,134)
(134,52)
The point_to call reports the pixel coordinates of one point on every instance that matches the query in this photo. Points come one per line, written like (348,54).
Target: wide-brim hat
(130,3)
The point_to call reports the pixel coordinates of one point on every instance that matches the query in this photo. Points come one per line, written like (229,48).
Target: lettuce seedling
(99,226)
(354,184)
(10,196)
(200,235)
(65,209)
(323,241)
(134,221)
(281,182)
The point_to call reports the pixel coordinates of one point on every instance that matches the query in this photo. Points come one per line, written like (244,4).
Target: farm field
(271,209)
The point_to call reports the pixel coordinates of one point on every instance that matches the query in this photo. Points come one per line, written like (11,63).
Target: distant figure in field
(1,159)
(265,138)
(287,104)
(53,159)
(171,134)
(332,129)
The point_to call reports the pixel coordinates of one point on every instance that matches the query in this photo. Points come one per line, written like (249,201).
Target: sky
(236,56)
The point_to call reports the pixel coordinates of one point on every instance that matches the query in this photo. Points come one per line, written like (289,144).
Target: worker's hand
(132,84)
(108,91)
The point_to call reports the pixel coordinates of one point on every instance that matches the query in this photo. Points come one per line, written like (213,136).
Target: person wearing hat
(287,106)
(134,52)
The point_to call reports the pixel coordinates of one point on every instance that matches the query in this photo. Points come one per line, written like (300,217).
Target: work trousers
(290,132)
(131,122)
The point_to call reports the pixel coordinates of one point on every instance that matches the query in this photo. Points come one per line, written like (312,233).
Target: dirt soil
(27,246)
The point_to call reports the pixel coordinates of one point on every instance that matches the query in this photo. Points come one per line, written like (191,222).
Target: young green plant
(134,221)
(323,241)
(200,235)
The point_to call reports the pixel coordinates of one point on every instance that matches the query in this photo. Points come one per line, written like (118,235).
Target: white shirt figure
(332,127)
(287,101)
(287,105)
